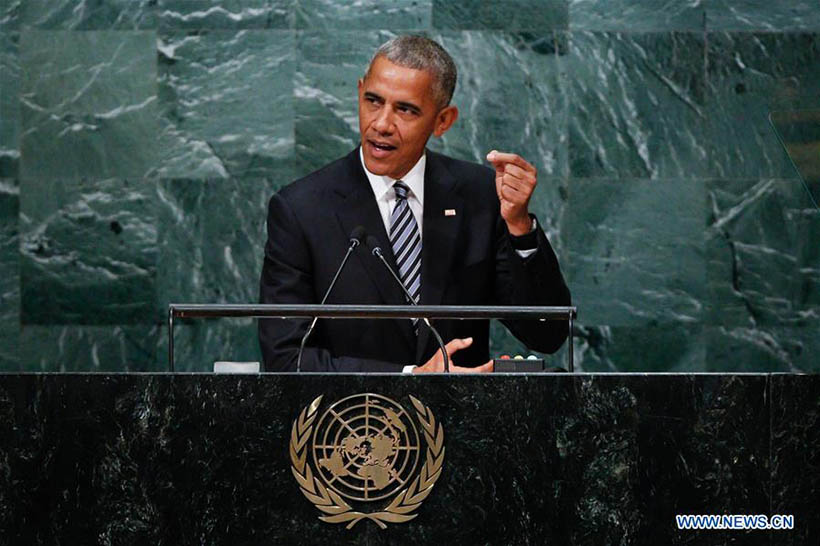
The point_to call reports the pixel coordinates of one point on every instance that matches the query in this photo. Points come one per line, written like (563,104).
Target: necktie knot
(401,189)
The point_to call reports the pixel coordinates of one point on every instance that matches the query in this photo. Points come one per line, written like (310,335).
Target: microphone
(356,236)
(373,245)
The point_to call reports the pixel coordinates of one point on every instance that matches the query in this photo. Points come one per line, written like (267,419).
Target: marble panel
(227,14)
(637,105)
(652,348)
(9,104)
(363,14)
(510,15)
(88,103)
(635,251)
(764,15)
(796,456)
(9,274)
(762,349)
(763,260)
(748,76)
(533,125)
(211,239)
(122,348)
(631,16)
(226,103)
(89,14)
(511,98)
(88,251)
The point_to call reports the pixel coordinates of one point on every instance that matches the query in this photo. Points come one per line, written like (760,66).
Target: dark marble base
(588,459)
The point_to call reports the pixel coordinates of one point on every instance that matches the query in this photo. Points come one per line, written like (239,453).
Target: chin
(378,167)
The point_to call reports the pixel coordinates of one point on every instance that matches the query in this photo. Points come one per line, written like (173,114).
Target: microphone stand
(355,240)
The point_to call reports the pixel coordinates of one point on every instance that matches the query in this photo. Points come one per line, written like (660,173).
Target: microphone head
(358,234)
(373,244)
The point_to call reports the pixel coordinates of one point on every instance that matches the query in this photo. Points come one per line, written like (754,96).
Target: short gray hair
(420,53)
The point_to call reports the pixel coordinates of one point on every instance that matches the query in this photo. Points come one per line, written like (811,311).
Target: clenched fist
(515,180)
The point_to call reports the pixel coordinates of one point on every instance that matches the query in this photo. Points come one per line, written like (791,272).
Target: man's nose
(384,121)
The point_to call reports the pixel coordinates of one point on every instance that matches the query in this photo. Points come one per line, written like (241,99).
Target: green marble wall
(140,140)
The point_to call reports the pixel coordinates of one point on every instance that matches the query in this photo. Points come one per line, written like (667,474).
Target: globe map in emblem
(366,447)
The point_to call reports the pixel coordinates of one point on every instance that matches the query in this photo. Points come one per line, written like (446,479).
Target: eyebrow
(410,106)
(403,104)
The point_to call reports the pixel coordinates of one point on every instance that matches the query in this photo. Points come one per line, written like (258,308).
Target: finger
(513,194)
(499,167)
(500,158)
(516,184)
(519,174)
(458,344)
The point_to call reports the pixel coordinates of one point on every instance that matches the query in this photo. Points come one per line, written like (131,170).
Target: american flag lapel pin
(449,212)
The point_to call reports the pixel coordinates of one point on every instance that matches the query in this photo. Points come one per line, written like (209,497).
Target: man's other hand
(436,364)
(515,180)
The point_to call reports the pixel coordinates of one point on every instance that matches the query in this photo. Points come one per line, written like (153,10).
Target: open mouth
(382,146)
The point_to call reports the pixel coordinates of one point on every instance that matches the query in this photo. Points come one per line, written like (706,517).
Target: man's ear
(445,119)
(360,85)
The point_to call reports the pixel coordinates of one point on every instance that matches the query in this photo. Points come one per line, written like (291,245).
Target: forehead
(397,82)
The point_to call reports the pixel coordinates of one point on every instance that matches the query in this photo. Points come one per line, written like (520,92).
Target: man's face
(397,115)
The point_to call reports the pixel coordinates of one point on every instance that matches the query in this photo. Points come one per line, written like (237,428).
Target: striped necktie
(406,243)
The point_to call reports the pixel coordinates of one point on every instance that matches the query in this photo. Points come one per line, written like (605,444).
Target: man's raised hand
(515,180)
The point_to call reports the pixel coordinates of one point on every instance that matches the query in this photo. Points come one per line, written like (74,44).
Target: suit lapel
(439,234)
(357,206)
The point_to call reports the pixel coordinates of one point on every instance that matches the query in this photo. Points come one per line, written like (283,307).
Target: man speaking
(455,233)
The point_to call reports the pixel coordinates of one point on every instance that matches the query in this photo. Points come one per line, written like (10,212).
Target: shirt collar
(383,185)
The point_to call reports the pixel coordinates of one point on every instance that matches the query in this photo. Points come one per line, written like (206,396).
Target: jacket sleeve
(287,278)
(534,280)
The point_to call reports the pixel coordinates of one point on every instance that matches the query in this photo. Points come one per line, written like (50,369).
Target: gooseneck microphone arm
(356,237)
(373,244)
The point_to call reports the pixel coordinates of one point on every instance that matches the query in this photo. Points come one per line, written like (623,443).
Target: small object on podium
(532,364)
(222,366)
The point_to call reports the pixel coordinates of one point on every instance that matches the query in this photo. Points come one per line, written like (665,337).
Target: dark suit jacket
(467,259)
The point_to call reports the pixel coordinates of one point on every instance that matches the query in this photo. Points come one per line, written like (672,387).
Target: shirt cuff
(408,369)
(526,245)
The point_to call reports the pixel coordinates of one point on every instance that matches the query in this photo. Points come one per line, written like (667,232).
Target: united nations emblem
(366,449)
